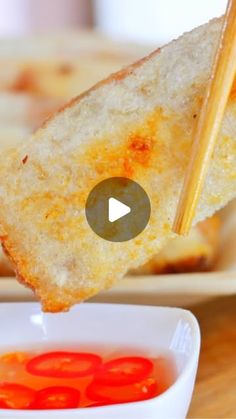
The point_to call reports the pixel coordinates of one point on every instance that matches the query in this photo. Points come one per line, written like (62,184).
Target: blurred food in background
(5,266)
(194,253)
(38,75)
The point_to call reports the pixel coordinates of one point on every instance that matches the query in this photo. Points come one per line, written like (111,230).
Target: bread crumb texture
(137,124)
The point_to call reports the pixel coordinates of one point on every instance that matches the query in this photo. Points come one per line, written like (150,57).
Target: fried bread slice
(139,124)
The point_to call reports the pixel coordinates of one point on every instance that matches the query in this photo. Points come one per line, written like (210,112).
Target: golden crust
(53,249)
(52,299)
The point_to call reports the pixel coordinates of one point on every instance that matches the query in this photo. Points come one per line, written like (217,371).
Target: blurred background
(155,21)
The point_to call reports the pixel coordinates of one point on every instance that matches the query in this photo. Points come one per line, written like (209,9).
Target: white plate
(173,290)
(151,330)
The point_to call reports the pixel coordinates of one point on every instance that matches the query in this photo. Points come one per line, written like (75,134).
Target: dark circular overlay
(127,192)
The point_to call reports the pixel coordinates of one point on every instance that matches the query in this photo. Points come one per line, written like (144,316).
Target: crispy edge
(52,299)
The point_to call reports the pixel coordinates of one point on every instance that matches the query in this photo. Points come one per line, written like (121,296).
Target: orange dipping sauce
(66,379)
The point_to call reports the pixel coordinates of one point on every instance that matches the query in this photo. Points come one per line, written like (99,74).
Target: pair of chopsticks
(210,118)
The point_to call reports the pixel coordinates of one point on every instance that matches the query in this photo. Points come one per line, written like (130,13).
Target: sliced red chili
(105,394)
(16,396)
(58,397)
(126,370)
(64,364)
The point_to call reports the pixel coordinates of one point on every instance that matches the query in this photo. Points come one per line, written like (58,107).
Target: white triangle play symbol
(116,209)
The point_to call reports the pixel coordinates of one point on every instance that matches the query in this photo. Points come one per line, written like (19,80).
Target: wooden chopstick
(210,118)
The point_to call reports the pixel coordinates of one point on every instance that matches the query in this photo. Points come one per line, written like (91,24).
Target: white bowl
(153,330)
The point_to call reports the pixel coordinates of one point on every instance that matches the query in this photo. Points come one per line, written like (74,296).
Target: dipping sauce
(66,379)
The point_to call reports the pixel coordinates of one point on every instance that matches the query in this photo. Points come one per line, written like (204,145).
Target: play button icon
(117,209)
